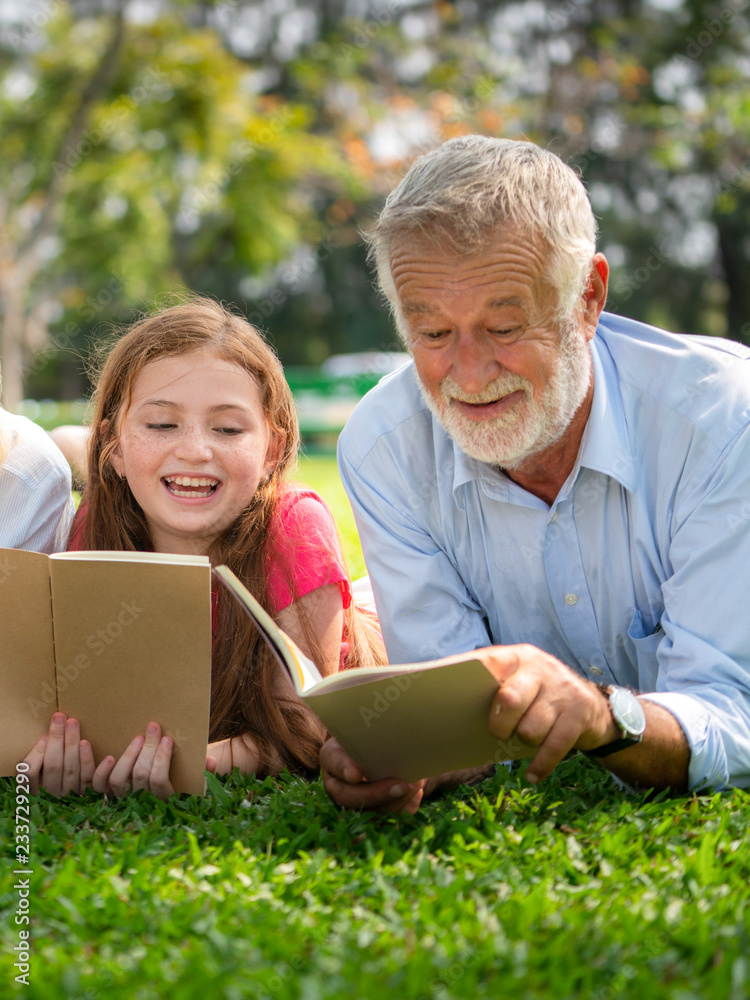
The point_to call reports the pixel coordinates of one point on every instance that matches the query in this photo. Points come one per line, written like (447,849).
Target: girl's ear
(276,442)
(115,455)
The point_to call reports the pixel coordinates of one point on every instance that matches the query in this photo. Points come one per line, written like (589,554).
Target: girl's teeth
(188,481)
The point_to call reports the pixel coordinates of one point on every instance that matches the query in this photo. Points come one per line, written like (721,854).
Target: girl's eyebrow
(171,405)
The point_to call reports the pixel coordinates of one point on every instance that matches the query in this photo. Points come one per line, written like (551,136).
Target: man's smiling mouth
(191,486)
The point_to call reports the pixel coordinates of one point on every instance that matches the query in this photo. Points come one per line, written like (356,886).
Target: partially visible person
(194,431)
(73,442)
(36,506)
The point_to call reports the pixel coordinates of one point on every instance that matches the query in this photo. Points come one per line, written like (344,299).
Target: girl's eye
(229,431)
(160,427)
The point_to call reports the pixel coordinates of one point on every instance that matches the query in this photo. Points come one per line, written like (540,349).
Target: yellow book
(113,639)
(406,721)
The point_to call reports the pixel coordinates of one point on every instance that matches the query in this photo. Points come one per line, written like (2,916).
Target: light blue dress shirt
(638,574)
(36,505)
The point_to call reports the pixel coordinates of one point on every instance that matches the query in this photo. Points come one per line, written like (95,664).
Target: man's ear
(596,293)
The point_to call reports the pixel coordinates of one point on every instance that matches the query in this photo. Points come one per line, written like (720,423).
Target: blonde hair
(459,195)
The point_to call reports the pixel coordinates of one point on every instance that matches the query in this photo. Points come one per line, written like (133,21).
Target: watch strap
(613,747)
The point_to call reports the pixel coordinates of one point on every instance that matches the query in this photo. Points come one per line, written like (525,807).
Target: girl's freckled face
(193,444)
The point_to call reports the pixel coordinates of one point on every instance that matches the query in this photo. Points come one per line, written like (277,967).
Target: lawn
(267,890)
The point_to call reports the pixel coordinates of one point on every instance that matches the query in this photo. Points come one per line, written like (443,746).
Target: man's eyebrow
(513,300)
(412,308)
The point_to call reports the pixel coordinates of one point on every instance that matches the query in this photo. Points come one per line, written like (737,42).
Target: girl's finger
(145,762)
(120,780)
(160,784)
(86,764)
(35,760)
(54,756)
(100,779)
(71,775)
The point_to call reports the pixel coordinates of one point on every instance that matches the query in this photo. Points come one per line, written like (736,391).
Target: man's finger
(389,794)
(560,739)
(337,763)
(511,703)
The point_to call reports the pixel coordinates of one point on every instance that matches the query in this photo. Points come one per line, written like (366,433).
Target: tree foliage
(237,147)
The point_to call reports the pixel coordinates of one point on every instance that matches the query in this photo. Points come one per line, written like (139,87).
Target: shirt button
(597,671)
(553,517)
(571,599)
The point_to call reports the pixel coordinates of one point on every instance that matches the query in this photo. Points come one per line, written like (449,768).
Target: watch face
(628,711)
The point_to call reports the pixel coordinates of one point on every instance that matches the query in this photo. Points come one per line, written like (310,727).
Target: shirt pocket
(644,643)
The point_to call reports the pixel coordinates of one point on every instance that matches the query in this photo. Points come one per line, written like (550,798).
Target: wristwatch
(629,716)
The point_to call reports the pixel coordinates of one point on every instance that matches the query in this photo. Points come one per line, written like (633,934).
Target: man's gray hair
(463,194)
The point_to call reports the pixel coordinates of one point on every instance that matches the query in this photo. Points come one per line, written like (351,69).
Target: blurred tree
(137,158)
(237,146)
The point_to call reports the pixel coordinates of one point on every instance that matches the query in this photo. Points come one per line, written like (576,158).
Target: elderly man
(565,486)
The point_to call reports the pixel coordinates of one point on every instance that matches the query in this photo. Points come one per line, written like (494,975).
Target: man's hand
(348,787)
(546,705)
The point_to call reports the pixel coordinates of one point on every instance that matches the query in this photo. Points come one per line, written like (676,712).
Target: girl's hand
(61,762)
(145,764)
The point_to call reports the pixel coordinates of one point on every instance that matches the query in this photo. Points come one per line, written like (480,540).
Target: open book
(113,639)
(408,721)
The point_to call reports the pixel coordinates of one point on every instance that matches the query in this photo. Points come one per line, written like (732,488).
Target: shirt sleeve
(35,514)
(424,607)
(703,675)
(303,550)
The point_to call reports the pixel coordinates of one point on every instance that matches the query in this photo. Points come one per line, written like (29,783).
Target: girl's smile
(194,445)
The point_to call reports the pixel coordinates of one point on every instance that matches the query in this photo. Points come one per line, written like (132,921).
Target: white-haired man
(566,487)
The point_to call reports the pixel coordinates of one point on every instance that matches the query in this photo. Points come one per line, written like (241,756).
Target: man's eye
(433,335)
(507,331)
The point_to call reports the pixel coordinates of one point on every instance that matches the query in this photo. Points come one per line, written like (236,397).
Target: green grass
(266,890)
(321,474)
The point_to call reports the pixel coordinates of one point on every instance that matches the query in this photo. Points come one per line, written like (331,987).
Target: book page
(133,645)
(301,669)
(27,664)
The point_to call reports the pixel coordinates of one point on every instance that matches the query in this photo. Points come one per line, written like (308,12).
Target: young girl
(193,431)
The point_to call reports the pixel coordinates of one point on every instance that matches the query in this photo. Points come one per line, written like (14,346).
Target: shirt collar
(605,446)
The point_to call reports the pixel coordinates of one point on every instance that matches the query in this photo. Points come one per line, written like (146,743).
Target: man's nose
(474,363)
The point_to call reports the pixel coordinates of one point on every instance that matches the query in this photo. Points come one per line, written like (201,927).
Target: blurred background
(237,147)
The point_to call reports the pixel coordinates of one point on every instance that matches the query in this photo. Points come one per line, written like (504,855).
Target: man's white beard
(530,425)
